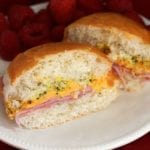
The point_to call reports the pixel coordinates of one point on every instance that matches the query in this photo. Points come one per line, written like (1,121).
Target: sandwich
(57,82)
(125,42)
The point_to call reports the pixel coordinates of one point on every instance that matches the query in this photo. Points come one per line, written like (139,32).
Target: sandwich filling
(136,63)
(63,91)
(132,70)
(62,77)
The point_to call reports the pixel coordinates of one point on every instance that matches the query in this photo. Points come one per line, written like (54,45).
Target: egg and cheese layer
(62,88)
(136,63)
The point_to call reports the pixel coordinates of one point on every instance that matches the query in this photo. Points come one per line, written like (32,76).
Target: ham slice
(122,72)
(145,76)
(53,101)
(129,79)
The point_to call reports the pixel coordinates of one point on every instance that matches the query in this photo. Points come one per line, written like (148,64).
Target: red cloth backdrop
(142,6)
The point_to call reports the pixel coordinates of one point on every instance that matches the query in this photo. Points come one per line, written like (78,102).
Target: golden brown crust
(30,58)
(114,20)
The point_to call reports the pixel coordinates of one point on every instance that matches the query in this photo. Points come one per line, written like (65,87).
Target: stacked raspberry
(23,28)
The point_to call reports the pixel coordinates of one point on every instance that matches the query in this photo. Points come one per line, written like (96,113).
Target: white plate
(125,120)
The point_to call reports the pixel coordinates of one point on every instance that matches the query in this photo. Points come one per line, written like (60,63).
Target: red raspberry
(44,16)
(134,15)
(90,6)
(62,10)
(9,45)
(119,5)
(34,34)
(78,14)
(3,23)
(57,33)
(20,15)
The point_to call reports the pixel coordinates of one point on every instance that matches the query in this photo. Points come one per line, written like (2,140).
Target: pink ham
(119,72)
(122,72)
(53,101)
(127,76)
(145,76)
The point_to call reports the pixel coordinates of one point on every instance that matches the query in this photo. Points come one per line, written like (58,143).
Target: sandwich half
(126,43)
(54,83)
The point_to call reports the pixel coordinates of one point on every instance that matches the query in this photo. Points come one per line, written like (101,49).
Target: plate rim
(128,138)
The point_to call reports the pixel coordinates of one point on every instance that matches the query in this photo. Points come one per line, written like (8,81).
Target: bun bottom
(63,112)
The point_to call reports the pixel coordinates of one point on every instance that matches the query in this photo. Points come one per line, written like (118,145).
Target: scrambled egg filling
(137,63)
(61,88)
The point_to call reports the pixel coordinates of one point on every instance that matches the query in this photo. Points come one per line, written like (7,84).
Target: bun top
(28,59)
(114,20)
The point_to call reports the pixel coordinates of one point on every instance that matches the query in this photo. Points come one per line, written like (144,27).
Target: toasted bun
(123,37)
(50,84)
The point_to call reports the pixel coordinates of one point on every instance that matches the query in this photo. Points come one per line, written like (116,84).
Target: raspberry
(134,15)
(9,45)
(78,14)
(57,33)
(90,6)
(62,10)
(34,34)
(19,15)
(119,5)
(44,16)
(3,23)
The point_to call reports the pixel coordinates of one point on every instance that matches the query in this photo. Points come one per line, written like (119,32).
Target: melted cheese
(104,82)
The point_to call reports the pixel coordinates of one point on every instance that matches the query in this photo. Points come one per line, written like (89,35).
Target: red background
(143,7)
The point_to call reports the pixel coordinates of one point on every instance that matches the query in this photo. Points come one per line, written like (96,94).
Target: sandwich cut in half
(57,82)
(126,43)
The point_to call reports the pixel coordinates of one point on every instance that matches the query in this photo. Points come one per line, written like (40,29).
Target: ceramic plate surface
(125,120)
